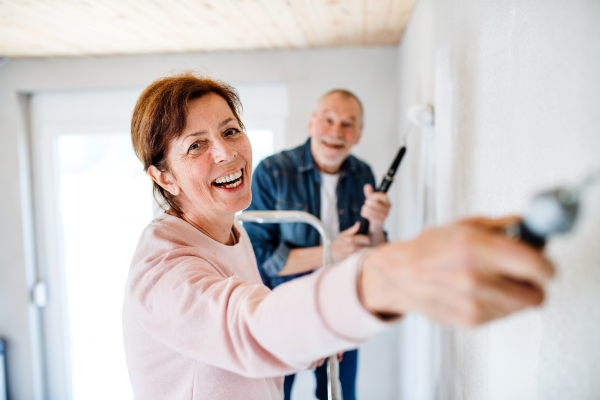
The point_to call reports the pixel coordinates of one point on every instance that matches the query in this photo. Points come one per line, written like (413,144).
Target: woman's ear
(165,180)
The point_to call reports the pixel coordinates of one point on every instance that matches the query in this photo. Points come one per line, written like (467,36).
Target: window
(105,202)
(262,144)
(92,201)
(265,108)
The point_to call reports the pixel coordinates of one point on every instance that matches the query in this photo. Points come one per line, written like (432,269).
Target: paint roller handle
(550,213)
(521,232)
(384,187)
(363,229)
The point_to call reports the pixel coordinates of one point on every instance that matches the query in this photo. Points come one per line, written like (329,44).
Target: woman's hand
(464,274)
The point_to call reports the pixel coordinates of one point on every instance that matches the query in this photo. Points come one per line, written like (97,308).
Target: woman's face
(211,161)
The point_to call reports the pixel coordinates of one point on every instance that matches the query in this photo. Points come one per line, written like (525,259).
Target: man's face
(334,127)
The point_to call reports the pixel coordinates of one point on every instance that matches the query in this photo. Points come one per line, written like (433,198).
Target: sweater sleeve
(245,328)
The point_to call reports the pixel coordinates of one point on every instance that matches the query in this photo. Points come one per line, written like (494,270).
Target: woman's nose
(222,151)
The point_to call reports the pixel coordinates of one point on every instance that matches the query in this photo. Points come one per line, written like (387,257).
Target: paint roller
(551,213)
(420,115)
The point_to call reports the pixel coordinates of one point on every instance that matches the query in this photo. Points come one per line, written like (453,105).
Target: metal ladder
(279,217)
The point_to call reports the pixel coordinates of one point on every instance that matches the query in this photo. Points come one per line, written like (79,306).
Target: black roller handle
(522,232)
(383,188)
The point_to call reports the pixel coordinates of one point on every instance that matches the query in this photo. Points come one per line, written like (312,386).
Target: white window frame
(53,114)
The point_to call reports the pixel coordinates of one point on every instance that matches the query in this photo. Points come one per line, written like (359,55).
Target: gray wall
(370,72)
(523,114)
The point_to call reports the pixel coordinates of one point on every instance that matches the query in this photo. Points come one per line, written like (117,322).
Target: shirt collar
(306,161)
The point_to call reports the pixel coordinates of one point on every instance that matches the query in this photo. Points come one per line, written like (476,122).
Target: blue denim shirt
(290,181)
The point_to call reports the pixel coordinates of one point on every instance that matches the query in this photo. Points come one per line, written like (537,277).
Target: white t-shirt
(329,212)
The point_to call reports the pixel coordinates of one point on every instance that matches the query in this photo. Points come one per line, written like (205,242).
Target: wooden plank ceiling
(44,28)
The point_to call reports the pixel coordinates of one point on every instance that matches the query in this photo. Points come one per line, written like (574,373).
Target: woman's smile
(230,181)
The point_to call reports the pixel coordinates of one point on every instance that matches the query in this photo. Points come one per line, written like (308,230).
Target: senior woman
(197,321)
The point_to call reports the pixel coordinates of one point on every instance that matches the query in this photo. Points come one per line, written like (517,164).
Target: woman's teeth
(229,181)
(235,184)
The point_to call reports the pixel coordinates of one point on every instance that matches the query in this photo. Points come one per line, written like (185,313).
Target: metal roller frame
(280,217)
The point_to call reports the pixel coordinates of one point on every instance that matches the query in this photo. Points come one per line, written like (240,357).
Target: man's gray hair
(346,94)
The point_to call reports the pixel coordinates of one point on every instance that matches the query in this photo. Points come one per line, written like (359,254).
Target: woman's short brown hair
(160,115)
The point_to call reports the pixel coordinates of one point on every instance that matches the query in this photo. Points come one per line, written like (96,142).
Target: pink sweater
(199,324)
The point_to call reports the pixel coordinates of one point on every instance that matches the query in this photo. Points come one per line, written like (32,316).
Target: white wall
(521,110)
(370,72)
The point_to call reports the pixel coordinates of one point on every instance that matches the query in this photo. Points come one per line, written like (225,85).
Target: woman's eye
(231,132)
(194,146)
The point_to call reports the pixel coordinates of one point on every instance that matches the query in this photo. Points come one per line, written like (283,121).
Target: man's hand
(463,274)
(310,258)
(348,242)
(376,208)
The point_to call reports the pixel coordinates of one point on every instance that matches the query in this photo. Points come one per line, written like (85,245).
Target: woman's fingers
(491,224)
(490,299)
(478,245)
(485,302)
(514,260)
(467,274)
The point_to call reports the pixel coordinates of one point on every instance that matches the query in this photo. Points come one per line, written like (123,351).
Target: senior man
(322,178)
